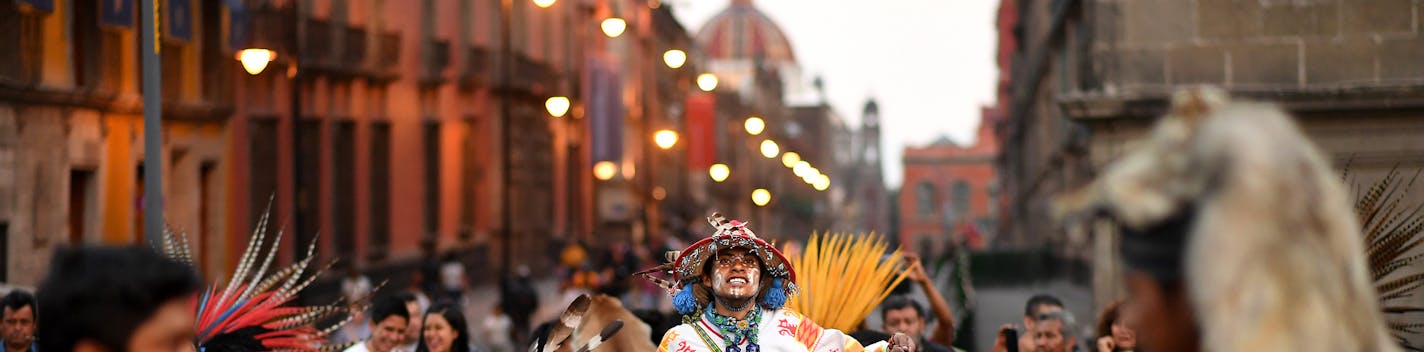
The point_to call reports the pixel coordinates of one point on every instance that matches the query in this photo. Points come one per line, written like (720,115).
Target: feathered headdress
(252,312)
(1232,200)
(684,268)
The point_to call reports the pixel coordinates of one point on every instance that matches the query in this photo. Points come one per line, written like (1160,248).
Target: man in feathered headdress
(1236,235)
(731,290)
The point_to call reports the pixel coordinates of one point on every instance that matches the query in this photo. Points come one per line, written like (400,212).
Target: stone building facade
(1091,75)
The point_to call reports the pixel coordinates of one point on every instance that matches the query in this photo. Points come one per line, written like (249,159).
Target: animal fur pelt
(590,331)
(1273,259)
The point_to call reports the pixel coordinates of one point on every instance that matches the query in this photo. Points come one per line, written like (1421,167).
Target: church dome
(741,32)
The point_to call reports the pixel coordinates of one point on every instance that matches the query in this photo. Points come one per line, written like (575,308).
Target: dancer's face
(736,275)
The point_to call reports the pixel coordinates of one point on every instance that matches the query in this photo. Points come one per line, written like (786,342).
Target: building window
(380,215)
(344,187)
(924,198)
(262,155)
(431,138)
(960,196)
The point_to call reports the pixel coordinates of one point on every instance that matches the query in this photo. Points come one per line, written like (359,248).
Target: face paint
(739,279)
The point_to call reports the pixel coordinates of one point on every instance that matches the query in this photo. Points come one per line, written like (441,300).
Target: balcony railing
(436,60)
(478,69)
(318,46)
(353,53)
(388,52)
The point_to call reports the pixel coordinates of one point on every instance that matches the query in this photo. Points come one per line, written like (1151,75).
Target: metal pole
(152,124)
(506,7)
(298,194)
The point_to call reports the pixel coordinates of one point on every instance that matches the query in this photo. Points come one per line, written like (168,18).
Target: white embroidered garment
(781,330)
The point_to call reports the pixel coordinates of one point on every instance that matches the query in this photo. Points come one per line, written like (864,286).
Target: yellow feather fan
(842,277)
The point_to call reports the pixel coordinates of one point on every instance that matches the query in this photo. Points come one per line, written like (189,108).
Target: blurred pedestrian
(389,319)
(1112,334)
(430,268)
(519,300)
(412,328)
(497,333)
(18,321)
(416,289)
(355,286)
(1236,235)
(444,330)
(452,277)
(116,299)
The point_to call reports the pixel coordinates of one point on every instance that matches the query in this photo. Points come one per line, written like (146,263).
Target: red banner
(701,130)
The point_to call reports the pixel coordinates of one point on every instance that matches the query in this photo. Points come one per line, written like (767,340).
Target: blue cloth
(2,346)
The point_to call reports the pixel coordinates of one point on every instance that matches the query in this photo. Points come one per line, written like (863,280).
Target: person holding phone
(1114,335)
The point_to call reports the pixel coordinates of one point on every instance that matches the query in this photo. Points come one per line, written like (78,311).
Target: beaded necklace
(736,331)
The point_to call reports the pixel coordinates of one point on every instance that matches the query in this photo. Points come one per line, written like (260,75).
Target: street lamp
(557,106)
(754,125)
(614,26)
(801,169)
(665,139)
(707,82)
(544,4)
(255,60)
(674,58)
(769,149)
(604,170)
(790,159)
(719,172)
(822,183)
(761,197)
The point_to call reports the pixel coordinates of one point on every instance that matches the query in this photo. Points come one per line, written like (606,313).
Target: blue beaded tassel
(753,348)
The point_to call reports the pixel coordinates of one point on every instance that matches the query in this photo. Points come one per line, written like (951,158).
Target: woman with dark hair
(1112,335)
(444,330)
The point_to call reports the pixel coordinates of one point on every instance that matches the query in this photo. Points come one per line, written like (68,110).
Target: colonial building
(379,125)
(1090,76)
(950,194)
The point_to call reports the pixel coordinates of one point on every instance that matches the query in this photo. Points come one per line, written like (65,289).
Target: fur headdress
(1269,250)
(685,268)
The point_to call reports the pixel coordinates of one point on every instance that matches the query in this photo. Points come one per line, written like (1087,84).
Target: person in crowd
(1036,306)
(355,286)
(416,289)
(452,277)
(1053,332)
(389,317)
(1113,335)
(1236,235)
(412,329)
(18,324)
(944,330)
(430,268)
(518,301)
(496,335)
(900,314)
(115,299)
(445,330)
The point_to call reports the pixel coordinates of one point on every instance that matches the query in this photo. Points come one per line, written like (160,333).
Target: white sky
(929,63)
